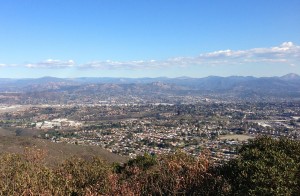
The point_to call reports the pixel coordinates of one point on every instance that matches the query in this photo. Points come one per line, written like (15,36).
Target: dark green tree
(265,166)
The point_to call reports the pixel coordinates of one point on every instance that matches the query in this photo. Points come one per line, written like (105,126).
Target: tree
(265,166)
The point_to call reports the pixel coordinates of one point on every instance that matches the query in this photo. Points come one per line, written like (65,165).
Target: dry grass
(26,174)
(56,152)
(236,137)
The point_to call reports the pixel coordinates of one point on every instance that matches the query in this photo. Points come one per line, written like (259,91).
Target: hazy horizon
(289,74)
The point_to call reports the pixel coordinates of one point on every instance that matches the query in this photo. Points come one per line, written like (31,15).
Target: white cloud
(286,53)
(50,63)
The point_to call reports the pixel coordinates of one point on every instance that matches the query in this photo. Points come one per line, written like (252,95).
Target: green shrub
(265,167)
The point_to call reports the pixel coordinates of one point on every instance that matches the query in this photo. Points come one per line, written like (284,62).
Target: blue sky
(149,38)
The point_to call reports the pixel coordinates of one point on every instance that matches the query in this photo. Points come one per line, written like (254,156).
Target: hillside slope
(55,152)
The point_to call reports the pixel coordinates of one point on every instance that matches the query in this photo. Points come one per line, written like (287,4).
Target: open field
(6,132)
(12,108)
(236,137)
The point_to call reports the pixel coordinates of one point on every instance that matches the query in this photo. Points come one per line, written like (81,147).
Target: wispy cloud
(50,63)
(286,53)
(126,65)
(8,65)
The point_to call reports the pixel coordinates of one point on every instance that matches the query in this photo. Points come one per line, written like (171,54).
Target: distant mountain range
(237,86)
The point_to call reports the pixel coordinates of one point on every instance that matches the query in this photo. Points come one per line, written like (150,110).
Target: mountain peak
(291,76)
